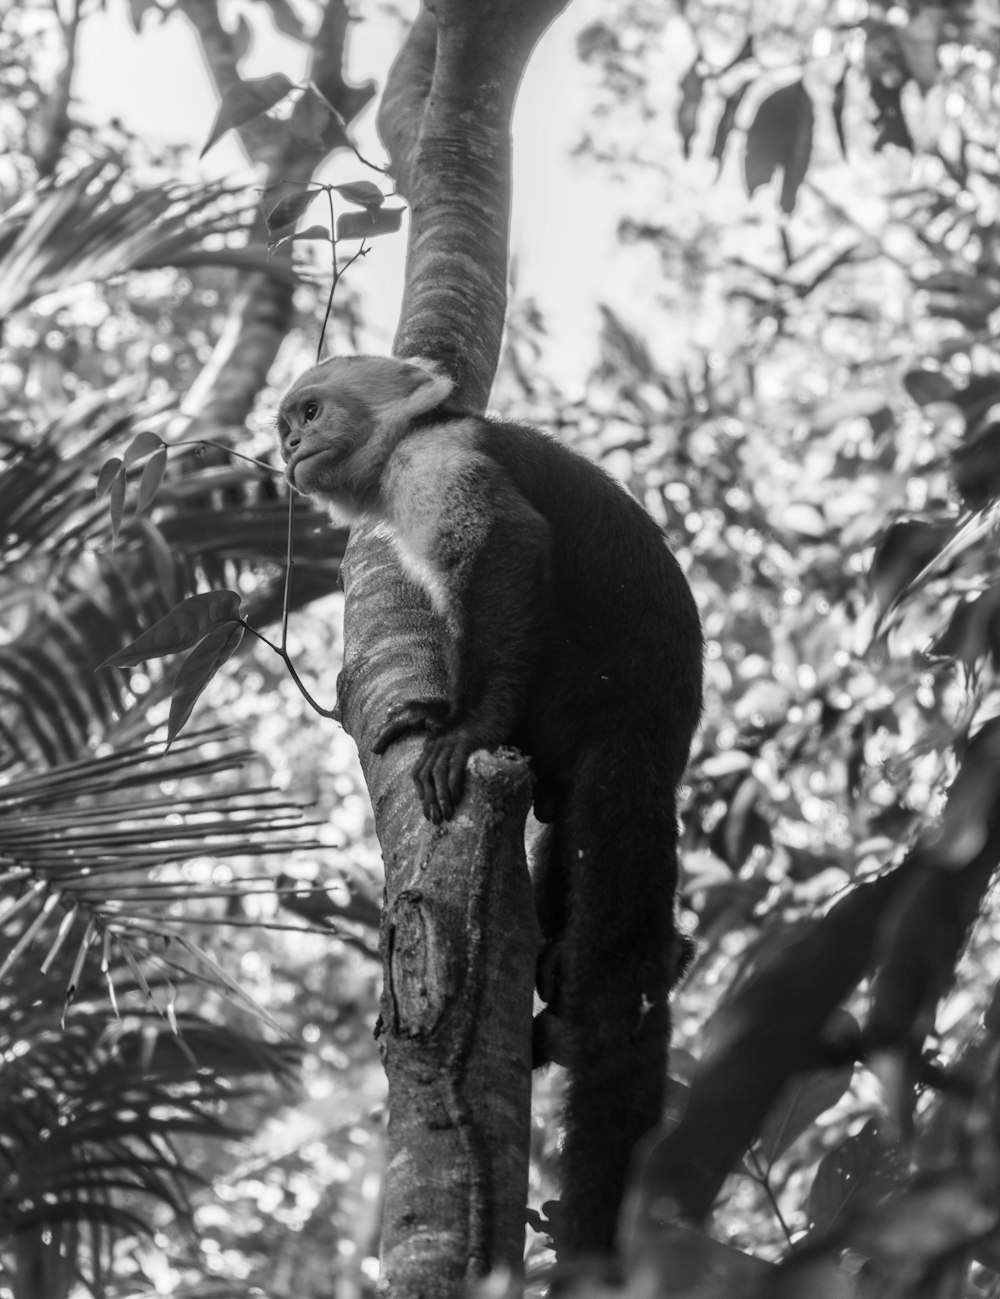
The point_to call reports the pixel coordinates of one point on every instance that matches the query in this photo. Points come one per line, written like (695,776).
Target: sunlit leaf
(245,100)
(198,669)
(182,627)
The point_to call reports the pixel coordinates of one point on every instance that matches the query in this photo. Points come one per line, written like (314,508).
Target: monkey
(571,634)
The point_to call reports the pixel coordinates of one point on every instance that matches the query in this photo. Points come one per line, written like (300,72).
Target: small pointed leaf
(288,209)
(197,670)
(728,120)
(367,224)
(317,124)
(117,505)
(692,87)
(362,192)
(109,472)
(141,445)
(181,628)
(245,100)
(149,483)
(312,232)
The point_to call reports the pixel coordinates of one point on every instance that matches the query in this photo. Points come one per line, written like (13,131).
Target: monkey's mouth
(327,457)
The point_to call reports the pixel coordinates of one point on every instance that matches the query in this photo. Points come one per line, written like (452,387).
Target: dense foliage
(804,393)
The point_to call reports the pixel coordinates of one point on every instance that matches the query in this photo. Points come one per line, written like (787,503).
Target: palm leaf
(96,861)
(79,599)
(90,1121)
(78,229)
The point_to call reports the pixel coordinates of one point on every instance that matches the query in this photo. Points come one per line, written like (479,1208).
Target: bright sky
(156,83)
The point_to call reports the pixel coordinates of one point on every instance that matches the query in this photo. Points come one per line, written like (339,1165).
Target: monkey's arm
(485,564)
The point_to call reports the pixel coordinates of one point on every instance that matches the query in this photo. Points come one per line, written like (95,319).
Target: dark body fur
(572,634)
(613,698)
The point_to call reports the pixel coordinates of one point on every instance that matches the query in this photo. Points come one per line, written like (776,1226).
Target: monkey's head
(339,422)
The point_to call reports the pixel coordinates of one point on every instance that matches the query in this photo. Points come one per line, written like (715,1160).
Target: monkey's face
(320,427)
(339,423)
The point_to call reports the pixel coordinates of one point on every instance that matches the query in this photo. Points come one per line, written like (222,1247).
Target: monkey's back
(623,644)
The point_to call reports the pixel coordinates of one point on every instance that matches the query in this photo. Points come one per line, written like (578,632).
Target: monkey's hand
(410,718)
(439,772)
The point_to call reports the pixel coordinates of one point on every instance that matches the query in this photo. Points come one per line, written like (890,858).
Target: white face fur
(339,422)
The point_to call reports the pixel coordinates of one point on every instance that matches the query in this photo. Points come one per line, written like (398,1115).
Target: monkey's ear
(434,388)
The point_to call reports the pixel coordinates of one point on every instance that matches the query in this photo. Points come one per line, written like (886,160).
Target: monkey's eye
(309,411)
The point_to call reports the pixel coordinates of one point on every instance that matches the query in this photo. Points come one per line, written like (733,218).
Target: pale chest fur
(436,492)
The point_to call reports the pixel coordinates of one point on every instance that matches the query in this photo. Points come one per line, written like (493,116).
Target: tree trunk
(459,934)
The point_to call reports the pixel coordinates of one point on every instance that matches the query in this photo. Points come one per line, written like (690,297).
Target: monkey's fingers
(439,775)
(409,718)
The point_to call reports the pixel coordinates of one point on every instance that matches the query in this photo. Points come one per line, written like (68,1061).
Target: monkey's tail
(616,856)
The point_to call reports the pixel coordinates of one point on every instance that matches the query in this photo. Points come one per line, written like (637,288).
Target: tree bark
(262,311)
(459,934)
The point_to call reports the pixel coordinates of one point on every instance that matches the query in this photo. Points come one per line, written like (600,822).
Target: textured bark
(262,311)
(459,934)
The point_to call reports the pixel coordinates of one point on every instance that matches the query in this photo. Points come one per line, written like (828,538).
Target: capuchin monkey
(570,633)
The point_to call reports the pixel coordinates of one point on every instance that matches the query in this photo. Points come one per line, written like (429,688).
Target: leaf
(362,192)
(117,504)
(313,232)
(918,41)
(181,628)
(927,386)
(850,404)
(143,444)
(905,551)
(747,51)
(692,88)
(780,137)
(152,476)
(198,669)
(856,1175)
(286,19)
(164,560)
(241,38)
(109,472)
(803,1100)
(367,224)
(317,124)
(245,100)
(839,100)
(288,209)
(728,120)
(138,9)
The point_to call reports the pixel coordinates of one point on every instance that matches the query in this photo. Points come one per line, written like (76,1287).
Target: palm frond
(80,228)
(78,598)
(90,1121)
(98,862)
